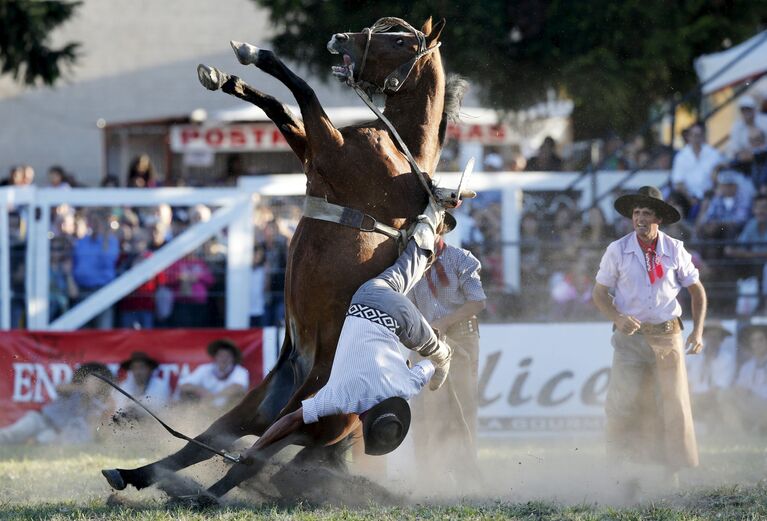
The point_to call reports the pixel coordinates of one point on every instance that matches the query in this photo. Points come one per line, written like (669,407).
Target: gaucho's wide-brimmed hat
(385,426)
(647,197)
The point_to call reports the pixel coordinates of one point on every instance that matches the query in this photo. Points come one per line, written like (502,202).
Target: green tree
(614,59)
(24,48)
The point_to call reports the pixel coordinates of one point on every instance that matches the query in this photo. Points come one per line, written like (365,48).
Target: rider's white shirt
(368,368)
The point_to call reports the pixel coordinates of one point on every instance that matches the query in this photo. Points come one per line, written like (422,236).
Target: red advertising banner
(32,364)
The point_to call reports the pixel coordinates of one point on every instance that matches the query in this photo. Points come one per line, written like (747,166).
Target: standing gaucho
(648,402)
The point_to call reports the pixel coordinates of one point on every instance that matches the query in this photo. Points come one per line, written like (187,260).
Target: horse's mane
(455,88)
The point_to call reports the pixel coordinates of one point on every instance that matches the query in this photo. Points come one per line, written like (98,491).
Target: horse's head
(381,58)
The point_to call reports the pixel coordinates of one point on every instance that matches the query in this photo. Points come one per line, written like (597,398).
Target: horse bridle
(399,75)
(392,84)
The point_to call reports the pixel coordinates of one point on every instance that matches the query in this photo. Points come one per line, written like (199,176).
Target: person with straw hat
(649,417)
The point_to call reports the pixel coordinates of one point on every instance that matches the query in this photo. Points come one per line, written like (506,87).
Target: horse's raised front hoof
(114,478)
(210,77)
(246,54)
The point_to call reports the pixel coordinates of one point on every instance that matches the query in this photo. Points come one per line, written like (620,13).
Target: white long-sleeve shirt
(368,368)
(623,268)
(155,395)
(694,171)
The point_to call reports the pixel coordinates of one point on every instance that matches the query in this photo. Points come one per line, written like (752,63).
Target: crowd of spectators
(91,247)
(79,408)
(721,195)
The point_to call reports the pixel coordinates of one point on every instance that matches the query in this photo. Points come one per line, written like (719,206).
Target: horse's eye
(400,42)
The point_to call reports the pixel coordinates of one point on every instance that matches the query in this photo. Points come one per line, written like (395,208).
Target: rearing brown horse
(359,167)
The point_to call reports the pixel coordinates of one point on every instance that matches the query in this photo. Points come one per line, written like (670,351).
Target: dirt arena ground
(560,480)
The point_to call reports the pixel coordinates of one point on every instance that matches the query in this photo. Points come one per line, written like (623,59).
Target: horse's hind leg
(222,433)
(316,122)
(289,126)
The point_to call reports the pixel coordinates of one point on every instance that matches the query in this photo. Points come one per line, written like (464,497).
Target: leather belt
(468,327)
(669,327)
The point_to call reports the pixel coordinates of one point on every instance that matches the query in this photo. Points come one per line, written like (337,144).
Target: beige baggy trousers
(649,418)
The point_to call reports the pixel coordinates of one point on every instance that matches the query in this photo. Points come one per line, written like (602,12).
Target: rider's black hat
(385,426)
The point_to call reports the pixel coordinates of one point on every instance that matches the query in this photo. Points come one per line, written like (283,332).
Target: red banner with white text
(32,364)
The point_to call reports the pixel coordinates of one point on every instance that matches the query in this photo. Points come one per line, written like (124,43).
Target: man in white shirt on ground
(143,382)
(219,383)
(649,418)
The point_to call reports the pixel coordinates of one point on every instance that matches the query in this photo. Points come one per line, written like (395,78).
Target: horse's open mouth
(345,71)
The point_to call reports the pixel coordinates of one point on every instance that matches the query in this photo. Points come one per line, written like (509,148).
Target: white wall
(138,61)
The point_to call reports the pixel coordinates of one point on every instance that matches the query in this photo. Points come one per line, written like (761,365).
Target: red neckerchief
(438,268)
(651,259)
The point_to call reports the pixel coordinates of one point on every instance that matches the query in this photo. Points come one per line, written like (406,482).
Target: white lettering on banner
(227,138)
(37,382)
(266,136)
(537,378)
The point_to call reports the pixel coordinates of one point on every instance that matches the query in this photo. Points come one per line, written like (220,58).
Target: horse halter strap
(392,84)
(397,77)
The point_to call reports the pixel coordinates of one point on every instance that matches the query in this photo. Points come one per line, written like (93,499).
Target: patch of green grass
(51,483)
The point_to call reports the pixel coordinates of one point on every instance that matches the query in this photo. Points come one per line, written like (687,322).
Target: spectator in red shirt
(190,278)
(137,310)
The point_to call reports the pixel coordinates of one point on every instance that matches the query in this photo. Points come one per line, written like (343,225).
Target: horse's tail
(455,88)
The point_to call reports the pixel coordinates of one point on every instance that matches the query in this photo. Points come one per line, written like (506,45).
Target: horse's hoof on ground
(246,54)
(210,77)
(114,478)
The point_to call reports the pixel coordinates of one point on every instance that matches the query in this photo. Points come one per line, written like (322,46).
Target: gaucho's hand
(694,343)
(627,325)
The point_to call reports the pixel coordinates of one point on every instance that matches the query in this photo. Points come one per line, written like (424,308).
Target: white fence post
(30,284)
(5,268)
(41,268)
(239,259)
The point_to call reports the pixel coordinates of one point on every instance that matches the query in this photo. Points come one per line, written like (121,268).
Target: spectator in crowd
(570,290)
(74,414)
(276,240)
(597,231)
(143,382)
(28,175)
(750,119)
(450,296)
(613,154)
(110,181)
(137,310)
(753,161)
(546,159)
(711,375)
(58,178)
(493,162)
(15,177)
(141,173)
(692,174)
(724,215)
(94,261)
(749,397)
(257,287)
(190,278)
(219,383)
(752,246)
(63,288)
(533,264)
